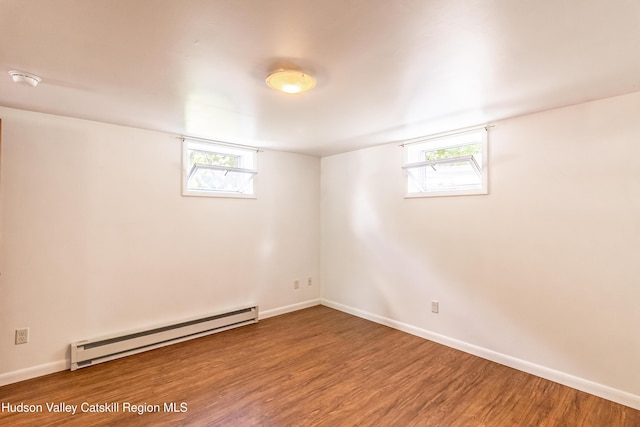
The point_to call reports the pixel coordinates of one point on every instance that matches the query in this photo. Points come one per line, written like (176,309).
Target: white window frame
(247,167)
(414,159)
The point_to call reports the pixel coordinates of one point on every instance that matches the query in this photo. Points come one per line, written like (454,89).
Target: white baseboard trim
(33,372)
(288,309)
(596,389)
(63,365)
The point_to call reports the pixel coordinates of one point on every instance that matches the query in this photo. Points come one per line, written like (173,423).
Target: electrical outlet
(309,282)
(296,284)
(435,307)
(22,336)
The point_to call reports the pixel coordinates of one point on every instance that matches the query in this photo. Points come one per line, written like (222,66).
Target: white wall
(96,238)
(541,274)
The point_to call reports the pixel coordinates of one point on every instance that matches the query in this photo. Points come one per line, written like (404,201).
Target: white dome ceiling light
(24,79)
(291,81)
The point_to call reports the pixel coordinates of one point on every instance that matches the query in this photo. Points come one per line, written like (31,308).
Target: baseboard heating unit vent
(90,352)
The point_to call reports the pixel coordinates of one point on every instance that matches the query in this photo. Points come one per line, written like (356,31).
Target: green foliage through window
(451,152)
(209,158)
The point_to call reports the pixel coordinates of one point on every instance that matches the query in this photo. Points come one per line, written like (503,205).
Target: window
(453,164)
(217,170)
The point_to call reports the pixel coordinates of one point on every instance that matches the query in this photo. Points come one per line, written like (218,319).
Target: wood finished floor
(314,367)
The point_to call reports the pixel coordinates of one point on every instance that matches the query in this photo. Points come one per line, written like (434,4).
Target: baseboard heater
(91,352)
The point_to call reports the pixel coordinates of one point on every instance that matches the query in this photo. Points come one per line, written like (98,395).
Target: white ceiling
(387,70)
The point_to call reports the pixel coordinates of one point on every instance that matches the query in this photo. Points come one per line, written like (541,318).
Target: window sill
(446,194)
(217,195)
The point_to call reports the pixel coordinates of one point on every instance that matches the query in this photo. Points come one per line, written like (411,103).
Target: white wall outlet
(309,281)
(22,336)
(296,284)
(435,307)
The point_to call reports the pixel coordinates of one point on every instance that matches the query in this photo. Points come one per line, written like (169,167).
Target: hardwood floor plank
(314,367)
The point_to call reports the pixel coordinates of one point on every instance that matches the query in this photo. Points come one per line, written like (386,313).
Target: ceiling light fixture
(25,79)
(290,81)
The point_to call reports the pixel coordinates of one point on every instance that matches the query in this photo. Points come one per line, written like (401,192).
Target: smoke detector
(25,79)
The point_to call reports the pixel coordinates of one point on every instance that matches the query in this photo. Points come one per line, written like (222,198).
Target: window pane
(450,152)
(219,180)
(452,176)
(444,177)
(209,158)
